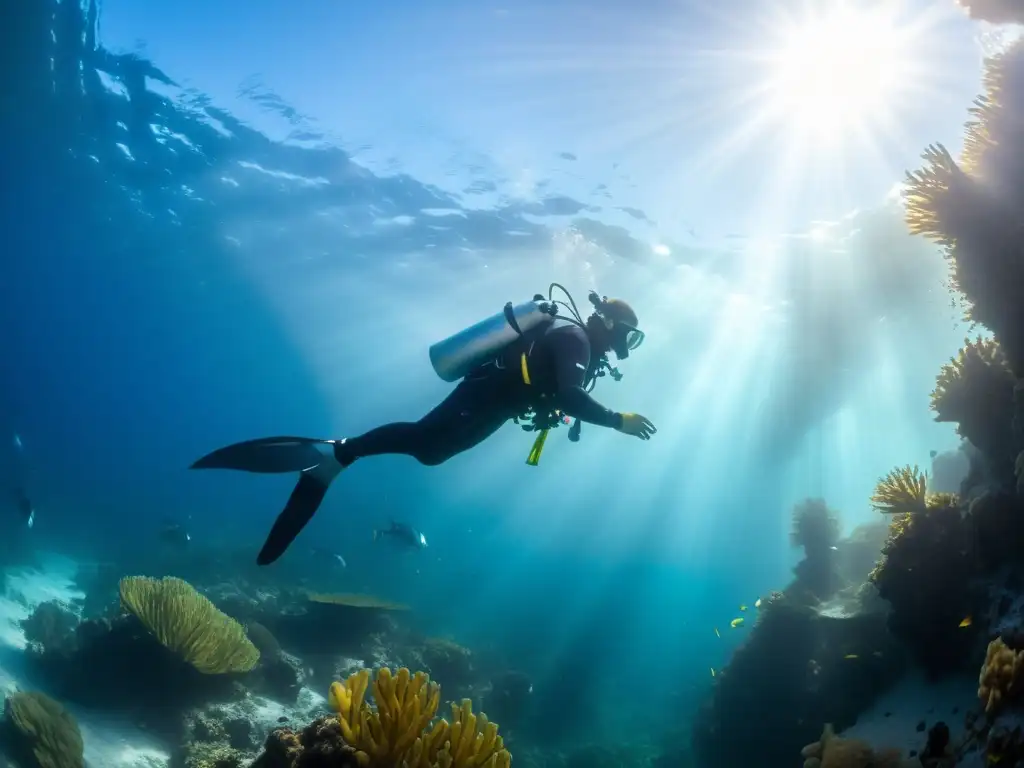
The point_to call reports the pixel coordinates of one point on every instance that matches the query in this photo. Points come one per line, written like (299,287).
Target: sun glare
(834,72)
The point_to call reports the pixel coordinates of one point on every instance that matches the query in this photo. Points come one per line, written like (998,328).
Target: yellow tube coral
(188,624)
(398,731)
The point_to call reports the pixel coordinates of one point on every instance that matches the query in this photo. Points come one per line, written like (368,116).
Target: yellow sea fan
(188,624)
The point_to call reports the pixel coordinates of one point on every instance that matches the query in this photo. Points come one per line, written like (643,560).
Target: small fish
(757,603)
(403,534)
(877,654)
(17,442)
(851,656)
(834,548)
(743,607)
(966,622)
(712,671)
(175,535)
(718,634)
(736,623)
(26,508)
(328,556)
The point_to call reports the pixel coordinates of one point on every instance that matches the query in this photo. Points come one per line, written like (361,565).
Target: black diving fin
(268,455)
(314,459)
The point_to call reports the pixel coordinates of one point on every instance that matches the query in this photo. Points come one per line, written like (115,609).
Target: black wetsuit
(558,358)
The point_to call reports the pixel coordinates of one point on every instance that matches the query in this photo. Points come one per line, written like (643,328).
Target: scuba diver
(527,363)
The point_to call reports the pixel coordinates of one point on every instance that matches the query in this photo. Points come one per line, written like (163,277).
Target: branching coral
(1000,676)
(398,732)
(188,624)
(45,730)
(972,208)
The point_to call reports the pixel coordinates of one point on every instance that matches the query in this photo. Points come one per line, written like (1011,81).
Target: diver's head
(614,325)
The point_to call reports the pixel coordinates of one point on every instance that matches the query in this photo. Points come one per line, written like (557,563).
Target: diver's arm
(580,405)
(572,356)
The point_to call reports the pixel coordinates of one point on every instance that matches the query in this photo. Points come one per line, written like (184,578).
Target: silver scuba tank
(457,355)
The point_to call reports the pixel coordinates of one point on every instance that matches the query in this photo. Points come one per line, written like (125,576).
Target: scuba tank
(457,355)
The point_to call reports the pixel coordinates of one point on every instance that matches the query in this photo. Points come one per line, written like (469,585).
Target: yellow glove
(636,425)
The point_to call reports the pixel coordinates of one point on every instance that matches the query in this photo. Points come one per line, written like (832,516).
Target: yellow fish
(717,633)
(851,656)
(757,603)
(965,623)
(736,623)
(712,671)
(743,607)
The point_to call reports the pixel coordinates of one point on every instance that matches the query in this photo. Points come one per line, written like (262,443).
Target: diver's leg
(471,413)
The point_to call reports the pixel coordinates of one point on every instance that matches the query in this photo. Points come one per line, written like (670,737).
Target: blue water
(229,220)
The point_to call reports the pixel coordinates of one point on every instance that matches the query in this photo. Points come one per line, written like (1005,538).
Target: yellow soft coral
(903,490)
(397,733)
(1000,675)
(188,624)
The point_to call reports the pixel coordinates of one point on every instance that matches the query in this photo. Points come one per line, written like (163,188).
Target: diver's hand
(637,425)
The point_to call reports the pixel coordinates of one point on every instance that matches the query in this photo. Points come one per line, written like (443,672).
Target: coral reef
(831,751)
(971,207)
(816,528)
(188,624)
(318,745)
(39,732)
(448,663)
(926,574)
(999,681)
(50,625)
(903,491)
(117,664)
(975,391)
(801,666)
(398,730)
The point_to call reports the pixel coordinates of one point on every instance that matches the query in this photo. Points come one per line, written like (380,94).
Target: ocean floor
(109,743)
(895,719)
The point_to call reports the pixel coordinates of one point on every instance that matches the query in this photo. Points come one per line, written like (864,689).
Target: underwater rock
(318,745)
(50,627)
(117,665)
(449,664)
(237,730)
(322,627)
(799,667)
(279,677)
(949,470)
